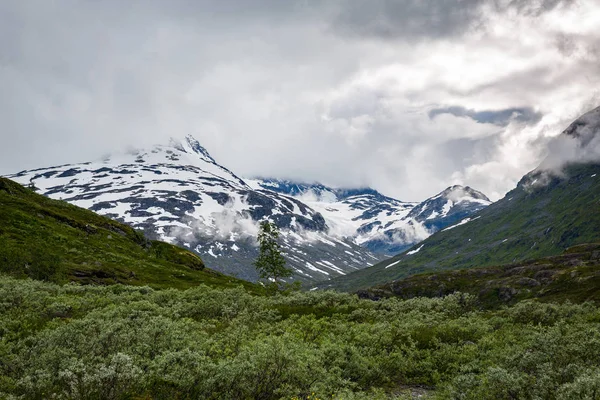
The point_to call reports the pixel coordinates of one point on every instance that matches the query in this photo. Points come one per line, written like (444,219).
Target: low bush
(124,342)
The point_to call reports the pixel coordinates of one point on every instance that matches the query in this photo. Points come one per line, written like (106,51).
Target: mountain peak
(459,193)
(196,147)
(578,144)
(449,207)
(191,145)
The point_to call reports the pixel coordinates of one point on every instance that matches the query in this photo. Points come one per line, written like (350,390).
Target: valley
(93,308)
(300,200)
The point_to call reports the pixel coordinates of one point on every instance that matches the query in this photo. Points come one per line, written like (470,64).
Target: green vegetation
(574,276)
(124,342)
(192,333)
(528,223)
(270,263)
(51,240)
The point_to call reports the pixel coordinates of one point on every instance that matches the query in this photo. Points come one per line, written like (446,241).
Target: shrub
(122,342)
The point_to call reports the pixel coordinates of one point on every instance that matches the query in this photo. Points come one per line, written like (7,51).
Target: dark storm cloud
(496,117)
(407,18)
(532,7)
(427,19)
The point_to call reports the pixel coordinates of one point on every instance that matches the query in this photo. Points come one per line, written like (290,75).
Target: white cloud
(228,223)
(337,92)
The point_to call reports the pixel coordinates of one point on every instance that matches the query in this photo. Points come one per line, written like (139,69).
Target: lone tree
(270,263)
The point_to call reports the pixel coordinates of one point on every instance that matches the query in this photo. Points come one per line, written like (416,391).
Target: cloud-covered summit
(579,143)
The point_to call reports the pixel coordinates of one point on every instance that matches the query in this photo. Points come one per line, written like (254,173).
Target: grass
(52,240)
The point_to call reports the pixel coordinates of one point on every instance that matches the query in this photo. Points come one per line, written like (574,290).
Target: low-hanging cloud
(413,234)
(226,224)
(579,143)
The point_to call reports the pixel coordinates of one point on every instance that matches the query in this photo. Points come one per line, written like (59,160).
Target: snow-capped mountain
(179,193)
(449,207)
(382,224)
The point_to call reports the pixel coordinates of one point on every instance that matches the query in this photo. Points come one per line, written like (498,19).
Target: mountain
(52,240)
(449,207)
(552,208)
(180,194)
(383,225)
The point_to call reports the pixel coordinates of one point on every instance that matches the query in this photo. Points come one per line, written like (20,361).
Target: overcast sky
(406,96)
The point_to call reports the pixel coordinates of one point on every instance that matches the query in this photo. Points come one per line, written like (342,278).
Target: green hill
(528,223)
(573,276)
(55,241)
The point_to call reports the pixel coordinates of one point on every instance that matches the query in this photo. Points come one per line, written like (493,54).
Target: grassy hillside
(573,276)
(529,222)
(52,240)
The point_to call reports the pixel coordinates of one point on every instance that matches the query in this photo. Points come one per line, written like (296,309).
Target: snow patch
(313,268)
(410,253)
(464,221)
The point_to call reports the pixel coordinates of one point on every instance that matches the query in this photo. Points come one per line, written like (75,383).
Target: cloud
(429,19)
(495,117)
(390,19)
(533,7)
(412,233)
(335,91)
(227,224)
(578,144)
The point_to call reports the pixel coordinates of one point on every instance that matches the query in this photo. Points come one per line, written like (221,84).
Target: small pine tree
(270,263)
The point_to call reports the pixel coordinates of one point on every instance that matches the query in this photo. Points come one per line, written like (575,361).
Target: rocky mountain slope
(180,194)
(380,223)
(552,208)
